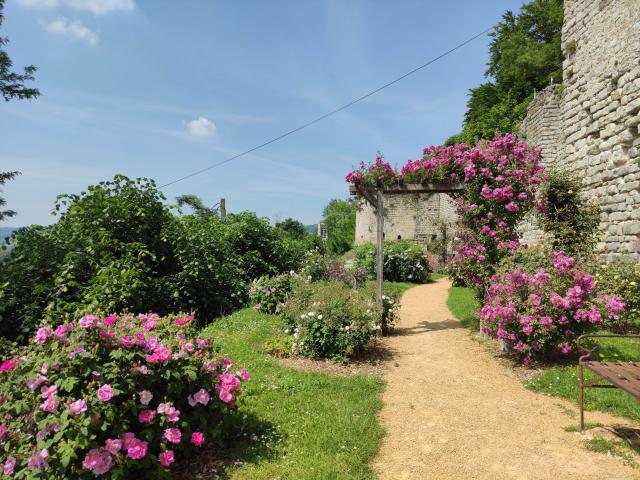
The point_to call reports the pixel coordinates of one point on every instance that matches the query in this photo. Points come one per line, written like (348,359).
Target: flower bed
(542,312)
(120,394)
(331,320)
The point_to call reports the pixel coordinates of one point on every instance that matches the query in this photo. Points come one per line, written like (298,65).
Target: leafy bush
(314,265)
(117,247)
(404,261)
(330,320)
(567,217)
(267,294)
(622,278)
(542,311)
(125,395)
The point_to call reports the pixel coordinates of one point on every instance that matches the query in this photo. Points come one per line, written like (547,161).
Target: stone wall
(406,217)
(599,116)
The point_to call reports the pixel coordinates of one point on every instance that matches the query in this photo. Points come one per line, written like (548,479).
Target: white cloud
(97,7)
(201,127)
(75,30)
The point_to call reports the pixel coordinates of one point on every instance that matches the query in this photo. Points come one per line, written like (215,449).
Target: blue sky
(160,88)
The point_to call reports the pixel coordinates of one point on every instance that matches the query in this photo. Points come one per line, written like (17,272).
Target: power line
(329,114)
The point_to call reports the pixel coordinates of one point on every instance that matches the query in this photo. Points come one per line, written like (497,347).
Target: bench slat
(624,375)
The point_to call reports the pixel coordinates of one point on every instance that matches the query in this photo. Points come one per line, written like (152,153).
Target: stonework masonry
(591,125)
(406,217)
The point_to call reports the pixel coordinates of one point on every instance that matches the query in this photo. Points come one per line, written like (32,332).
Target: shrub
(622,278)
(314,265)
(542,312)
(330,320)
(567,217)
(125,395)
(267,294)
(404,261)
(339,219)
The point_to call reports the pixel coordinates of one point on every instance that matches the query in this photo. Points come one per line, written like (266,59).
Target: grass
(308,425)
(612,448)
(562,381)
(464,306)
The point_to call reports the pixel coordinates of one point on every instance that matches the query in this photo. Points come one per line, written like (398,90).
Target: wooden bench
(623,375)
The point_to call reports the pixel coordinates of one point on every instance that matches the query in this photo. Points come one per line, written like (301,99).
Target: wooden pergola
(375,197)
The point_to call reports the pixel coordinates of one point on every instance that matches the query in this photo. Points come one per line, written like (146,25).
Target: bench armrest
(587,353)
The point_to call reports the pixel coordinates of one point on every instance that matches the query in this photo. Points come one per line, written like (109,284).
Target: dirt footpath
(451,411)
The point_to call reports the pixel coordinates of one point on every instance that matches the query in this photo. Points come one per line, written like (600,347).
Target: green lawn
(464,305)
(562,380)
(310,425)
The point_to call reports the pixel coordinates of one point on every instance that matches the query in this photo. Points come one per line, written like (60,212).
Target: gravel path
(451,411)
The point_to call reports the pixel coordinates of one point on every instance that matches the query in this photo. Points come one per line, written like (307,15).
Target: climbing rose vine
(543,312)
(127,395)
(499,181)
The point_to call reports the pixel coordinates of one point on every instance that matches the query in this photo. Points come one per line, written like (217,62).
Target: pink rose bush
(500,179)
(542,311)
(118,397)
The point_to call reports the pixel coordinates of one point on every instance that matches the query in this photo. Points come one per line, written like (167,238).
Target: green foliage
(339,218)
(4,177)
(12,83)
(292,228)
(404,261)
(267,294)
(622,278)
(330,320)
(81,385)
(197,205)
(116,247)
(567,217)
(525,55)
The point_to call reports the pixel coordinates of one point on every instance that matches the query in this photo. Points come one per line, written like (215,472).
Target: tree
(197,205)
(292,228)
(12,83)
(340,223)
(4,176)
(525,56)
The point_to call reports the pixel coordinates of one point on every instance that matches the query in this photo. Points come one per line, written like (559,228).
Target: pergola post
(379,246)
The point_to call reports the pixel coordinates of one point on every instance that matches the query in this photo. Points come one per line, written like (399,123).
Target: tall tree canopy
(525,56)
(12,83)
(4,176)
(340,222)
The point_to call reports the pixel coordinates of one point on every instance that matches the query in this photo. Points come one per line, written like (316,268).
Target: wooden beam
(379,247)
(410,188)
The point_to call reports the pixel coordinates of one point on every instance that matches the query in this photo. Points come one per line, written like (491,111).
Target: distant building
(322,231)
(415,217)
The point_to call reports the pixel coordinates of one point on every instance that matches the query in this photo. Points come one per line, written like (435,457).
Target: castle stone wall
(599,116)
(406,217)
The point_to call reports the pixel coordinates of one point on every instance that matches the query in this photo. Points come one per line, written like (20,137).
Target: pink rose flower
(167,458)
(78,407)
(88,321)
(173,435)
(137,449)
(110,320)
(50,405)
(97,460)
(146,416)
(127,438)
(113,446)
(9,466)
(244,375)
(201,396)
(48,391)
(145,397)
(8,365)
(197,438)
(105,393)
(37,460)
